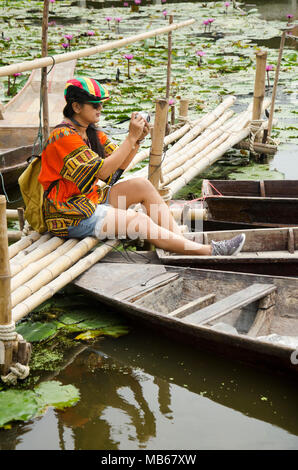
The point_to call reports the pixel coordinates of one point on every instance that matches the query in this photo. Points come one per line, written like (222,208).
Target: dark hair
(74,94)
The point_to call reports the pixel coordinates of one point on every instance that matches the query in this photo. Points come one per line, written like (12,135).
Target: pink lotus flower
(90,33)
(137,2)
(163,1)
(118,20)
(65,45)
(68,36)
(17,74)
(210,20)
(52,1)
(171,101)
(268,69)
(206,22)
(128,57)
(165,13)
(108,18)
(125,4)
(227,4)
(200,53)
(289,16)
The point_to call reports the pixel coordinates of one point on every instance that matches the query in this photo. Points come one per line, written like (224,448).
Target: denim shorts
(86,227)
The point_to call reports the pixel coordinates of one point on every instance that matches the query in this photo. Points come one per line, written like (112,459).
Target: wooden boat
(266,251)
(272,203)
(229,313)
(12,164)
(20,123)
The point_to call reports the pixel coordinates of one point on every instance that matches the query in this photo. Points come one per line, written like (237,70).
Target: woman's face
(88,112)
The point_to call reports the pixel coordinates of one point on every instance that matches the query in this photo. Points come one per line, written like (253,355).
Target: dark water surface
(143,391)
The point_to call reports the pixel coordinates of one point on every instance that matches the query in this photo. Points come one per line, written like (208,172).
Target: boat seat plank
(192,306)
(237,300)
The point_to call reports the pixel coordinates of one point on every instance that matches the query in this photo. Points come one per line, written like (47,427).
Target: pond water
(142,391)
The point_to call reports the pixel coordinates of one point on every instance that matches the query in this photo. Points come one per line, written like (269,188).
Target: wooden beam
(155,158)
(237,300)
(259,90)
(188,308)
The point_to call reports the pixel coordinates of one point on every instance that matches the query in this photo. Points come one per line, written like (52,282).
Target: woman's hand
(146,130)
(136,126)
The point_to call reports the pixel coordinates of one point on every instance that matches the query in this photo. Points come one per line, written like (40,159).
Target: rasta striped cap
(93,88)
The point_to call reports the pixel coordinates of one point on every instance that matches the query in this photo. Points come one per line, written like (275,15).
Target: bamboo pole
(183,109)
(14,249)
(211,157)
(20,263)
(65,57)
(202,141)
(169,60)
(44,82)
(259,90)
(12,214)
(258,147)
(27,245)
(34,268)
(46,292)
(161,114)
(5,305)
(192,214)
(58,265)
(168,140)
(5,302)
(202,125)
(14,235)
(274,90)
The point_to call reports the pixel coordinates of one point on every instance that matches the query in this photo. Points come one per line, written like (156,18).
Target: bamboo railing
(65,57)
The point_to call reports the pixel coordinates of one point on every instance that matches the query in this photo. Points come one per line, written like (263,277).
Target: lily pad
(55,394)
(37,331)
(21,405)
(17,405)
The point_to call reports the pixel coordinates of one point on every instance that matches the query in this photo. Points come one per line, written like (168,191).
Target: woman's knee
(138,226)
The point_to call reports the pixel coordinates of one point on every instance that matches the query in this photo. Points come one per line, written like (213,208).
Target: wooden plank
(262,189)
(291,241)
(136,292)
(237,300)
(266,309)
(188,308)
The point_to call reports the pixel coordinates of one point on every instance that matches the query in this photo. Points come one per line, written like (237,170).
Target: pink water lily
(268,69)
(163,1)
(200,54)
(69,37)
(65,45)
(125,4)
(289,16)
(90,33)
(118,20)
(52,23)
(205,23)
(227,4)
(138,2)
(108,19)
(171,101)
(128,57)
(165,13)
(17,74)
(210,20)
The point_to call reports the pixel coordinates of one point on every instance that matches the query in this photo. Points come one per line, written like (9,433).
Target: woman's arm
(127,161)
(125,150)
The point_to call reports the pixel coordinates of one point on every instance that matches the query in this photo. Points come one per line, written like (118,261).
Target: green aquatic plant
(21,405)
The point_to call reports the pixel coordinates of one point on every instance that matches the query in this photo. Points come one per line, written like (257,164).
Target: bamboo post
(5,301)
(66,57)
(169,59)
(259,90)
(274,90)
(44,84)
(161,115)
(183,109)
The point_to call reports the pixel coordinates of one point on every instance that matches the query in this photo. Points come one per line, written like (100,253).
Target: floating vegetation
(21,405)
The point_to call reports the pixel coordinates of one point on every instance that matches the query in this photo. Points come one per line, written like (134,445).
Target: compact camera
(144,115)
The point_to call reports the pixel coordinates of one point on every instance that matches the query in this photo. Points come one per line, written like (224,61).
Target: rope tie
(8,332)
(27,229)
(18,371)
(255,128)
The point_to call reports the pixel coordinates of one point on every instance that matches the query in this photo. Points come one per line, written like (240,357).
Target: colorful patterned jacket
(68,158)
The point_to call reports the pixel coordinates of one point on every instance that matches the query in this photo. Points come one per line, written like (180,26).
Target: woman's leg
(140,190)
(121,223)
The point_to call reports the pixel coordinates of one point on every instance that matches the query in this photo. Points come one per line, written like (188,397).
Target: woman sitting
(77,155)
